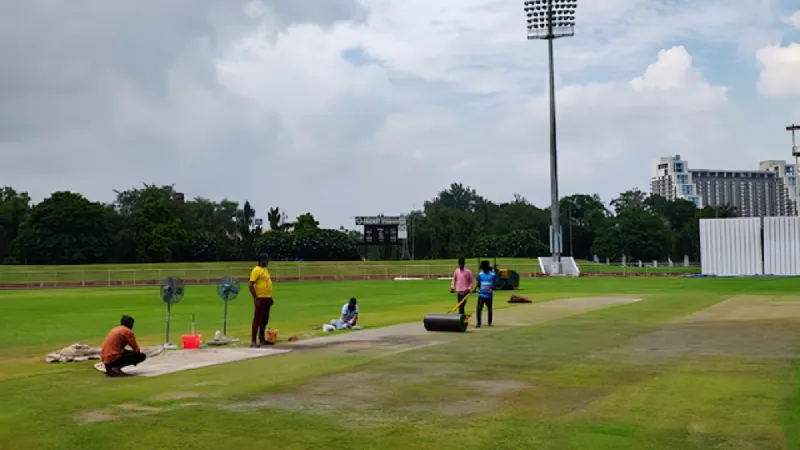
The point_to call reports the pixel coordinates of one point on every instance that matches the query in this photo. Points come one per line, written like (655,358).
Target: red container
(191,341)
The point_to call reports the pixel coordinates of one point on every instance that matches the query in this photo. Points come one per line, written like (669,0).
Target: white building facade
(770,191)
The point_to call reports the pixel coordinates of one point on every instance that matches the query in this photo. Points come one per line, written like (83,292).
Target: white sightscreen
(782,245)
(731,247)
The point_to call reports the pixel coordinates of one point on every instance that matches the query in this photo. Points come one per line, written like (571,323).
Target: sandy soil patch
(97,416)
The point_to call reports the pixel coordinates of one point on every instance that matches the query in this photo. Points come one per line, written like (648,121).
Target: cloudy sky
(358,107)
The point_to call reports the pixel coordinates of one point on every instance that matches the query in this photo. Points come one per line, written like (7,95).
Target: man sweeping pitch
(114,354)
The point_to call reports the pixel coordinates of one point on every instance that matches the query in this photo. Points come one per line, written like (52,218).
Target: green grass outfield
(304,270)
(577,385)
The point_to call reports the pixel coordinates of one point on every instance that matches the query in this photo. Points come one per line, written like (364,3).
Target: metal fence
(10,279)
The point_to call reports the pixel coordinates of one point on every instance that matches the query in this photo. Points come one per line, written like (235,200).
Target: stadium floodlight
(549,20)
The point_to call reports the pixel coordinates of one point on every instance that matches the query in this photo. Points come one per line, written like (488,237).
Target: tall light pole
(796,154)
(549,20)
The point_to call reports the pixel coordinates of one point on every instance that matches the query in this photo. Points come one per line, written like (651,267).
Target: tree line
(156,224)
(635,225)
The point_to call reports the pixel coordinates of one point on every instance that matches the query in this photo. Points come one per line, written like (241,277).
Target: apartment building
(769,191)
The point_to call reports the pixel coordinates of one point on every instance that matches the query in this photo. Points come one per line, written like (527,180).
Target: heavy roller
(450,321)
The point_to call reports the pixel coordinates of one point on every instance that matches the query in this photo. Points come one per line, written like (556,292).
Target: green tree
(581,216)
(460,198)
(14,209)
(453,232)
(66,228)
(153,229)
(306,224)
(633,198)
(244,224)
(635,233)
(419,234)
(274,218)
(523,244)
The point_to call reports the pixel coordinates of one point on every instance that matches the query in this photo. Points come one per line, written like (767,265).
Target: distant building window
(686,189)
(695,200)
(678,167)
(683,179)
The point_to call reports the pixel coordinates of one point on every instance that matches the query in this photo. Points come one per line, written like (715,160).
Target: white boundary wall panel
(731,247)
(782,245)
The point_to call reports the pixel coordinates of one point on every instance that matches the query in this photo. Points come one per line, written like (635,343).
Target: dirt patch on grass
(173,396)
(353,390)
(562,400)
(748,308)
(97,416)
(423,383)
(135,407)
(125,411)
(413,335)
(494,387)
(526,315)
(745,326)
(468,407)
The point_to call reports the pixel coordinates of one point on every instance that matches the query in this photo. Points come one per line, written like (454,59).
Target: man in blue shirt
(349,316)
(485,283)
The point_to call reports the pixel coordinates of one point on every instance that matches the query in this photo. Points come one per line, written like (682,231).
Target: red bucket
(191,341)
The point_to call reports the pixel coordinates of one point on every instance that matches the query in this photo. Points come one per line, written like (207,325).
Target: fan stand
(167,344)
(225,319)
(224,339)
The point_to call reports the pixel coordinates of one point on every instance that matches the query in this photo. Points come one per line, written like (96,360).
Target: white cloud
(793,20)
(254,100)
(780,70)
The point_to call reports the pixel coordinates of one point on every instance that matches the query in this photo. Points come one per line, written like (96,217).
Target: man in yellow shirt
(261,290)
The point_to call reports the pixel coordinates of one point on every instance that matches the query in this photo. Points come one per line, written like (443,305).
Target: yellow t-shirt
(263,282)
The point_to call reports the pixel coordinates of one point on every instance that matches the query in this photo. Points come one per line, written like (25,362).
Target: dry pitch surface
(385,341)
(367,389)
(746,326)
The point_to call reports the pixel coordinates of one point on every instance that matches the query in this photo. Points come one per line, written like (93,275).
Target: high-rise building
(754,193)
(788,172)
(671,179)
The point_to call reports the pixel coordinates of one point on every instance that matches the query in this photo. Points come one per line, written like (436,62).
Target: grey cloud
(62,61)
(88,92)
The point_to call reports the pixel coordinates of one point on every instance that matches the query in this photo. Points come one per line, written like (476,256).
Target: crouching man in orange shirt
(114,354)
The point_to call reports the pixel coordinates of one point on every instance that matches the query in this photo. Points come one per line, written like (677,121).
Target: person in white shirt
(349,316)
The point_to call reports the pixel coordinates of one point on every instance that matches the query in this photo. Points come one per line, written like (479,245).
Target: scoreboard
(383,230)
(380,234)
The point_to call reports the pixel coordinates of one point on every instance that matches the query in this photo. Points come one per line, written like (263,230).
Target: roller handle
(455,308)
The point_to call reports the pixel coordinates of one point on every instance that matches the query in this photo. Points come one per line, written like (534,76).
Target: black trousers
(488,302)
(261,319)
(128,358)
(460,296)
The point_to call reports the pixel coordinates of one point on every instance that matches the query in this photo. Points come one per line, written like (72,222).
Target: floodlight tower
(796,154)
(549,20)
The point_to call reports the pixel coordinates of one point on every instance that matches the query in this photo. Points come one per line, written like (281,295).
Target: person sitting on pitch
(114,354)
(349,316)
